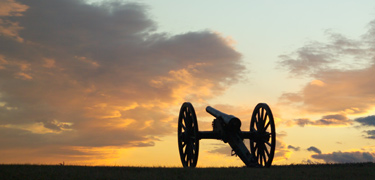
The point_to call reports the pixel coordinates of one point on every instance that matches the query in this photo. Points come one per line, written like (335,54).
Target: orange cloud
(11,8)
(8,28)
(348,91)
(88,77)
(282,151)
(343,73)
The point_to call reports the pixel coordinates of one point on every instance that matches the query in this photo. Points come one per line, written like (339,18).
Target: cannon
(262,135)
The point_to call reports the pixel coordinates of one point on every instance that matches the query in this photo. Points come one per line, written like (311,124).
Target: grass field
(321,171)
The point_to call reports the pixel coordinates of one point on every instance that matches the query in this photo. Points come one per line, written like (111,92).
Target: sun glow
(317,82)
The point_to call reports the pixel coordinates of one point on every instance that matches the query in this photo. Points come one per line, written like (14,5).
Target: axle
(216,135)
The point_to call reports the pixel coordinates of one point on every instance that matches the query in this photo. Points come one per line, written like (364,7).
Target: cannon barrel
(229,120)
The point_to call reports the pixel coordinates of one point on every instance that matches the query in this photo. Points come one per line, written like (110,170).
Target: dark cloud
(56,126)
(308,60)
(343,73)
(370,134)
(345,157)
(366,121)
(92,76)
(314,149)
(293,148)
(316,57)
(327,120)
(301,122)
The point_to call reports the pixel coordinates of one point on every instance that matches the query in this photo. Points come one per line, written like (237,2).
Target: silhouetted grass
(316,171)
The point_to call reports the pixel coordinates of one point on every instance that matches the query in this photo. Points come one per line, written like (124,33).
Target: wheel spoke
(185,153)
(265,128)
(183,126)
(253,129)
(264,158)
(266,150)
(261,153)
(185,119)
(188,118)
(257,123)
(188,151)
(268,143)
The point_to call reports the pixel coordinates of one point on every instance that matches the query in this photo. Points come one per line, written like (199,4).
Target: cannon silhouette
(262,135)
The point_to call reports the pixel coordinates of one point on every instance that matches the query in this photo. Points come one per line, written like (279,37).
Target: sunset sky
(101,82)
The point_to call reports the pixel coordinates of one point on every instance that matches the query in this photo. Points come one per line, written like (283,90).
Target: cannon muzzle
(230,120)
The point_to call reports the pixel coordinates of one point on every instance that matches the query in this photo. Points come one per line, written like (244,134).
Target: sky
(101,82)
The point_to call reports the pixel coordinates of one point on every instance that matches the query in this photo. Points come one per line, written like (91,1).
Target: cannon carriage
(262,135)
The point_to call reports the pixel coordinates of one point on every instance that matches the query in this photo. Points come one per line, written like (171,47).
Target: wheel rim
(263,144)
(188,141)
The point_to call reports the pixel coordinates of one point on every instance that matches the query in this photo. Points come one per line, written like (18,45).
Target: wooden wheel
(188,141)
(263,144)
